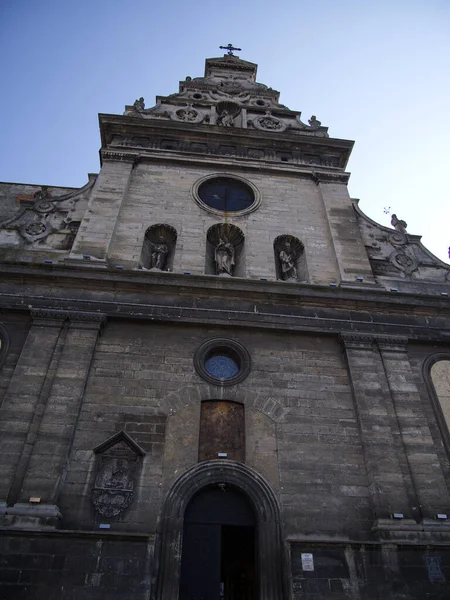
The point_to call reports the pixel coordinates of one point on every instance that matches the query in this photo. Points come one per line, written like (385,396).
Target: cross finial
(230,49)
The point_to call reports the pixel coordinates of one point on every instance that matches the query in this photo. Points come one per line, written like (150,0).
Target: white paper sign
(307,562)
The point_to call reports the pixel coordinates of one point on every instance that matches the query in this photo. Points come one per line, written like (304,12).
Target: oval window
(226,194)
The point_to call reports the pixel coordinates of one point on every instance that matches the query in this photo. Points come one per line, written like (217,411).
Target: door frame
(169,542)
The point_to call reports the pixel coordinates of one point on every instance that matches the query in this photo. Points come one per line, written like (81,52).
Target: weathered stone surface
(342,441)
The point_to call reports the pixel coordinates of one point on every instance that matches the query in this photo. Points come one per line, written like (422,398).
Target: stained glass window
(221,366)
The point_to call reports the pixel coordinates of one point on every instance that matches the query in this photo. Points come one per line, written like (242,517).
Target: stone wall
(67,566)
(369,572)
(159,193)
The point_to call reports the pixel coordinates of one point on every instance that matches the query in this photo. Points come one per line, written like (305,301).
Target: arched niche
(437,379)
(158,248)
(290,259)
(225,251)
(269,552)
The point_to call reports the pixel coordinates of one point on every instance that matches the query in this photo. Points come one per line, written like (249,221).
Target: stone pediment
(228,79)
(396,256)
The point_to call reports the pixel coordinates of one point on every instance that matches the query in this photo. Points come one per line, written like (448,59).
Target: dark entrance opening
(218,557)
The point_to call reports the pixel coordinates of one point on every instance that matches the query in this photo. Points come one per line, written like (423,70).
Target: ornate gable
(45,218)
(227,95)
(397,256)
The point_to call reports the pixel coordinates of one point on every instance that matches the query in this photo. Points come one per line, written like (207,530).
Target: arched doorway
(251,500)
(218,554)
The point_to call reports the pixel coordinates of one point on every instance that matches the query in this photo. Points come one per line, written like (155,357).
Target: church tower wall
(162,193)
(210,357)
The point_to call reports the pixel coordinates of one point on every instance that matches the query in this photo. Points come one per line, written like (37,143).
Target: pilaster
(348,245)
(44,470)
(389,482)
(423,461)
(97,227)
(26,396)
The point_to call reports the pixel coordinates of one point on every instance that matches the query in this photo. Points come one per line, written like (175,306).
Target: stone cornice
(237,314)
(183,134)
(229,163)
(120,124)
(394,343)
(48,317)
(119,155)
(330,177)
(360,340)
(51,317)
(87,275)
(357,341)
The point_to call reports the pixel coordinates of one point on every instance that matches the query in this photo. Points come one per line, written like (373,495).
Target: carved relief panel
(45,220)
(118,463)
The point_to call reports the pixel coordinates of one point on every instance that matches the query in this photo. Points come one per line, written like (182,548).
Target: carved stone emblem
(42,201)
(269,123)
(44,207)
(398,238)
(231,87)
(118,459)
(187,114)
(403,261)
(34,231)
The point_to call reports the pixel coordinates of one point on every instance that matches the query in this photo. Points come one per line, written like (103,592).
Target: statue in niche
(158,256)
(225,119)
(224,257)
(139,104)
(288,259)
(398,224)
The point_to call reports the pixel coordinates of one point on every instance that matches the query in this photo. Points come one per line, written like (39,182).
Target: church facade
(219,378)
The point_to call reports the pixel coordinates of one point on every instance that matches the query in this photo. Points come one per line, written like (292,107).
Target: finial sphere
(230,49)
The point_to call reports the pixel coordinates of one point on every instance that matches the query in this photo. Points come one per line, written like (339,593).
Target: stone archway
(269,547)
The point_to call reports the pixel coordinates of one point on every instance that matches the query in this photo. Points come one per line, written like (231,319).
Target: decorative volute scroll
(224,250)
(289,259)
(118,461)
(158,248)
(45,219)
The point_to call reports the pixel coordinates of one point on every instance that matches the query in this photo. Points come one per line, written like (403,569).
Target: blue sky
(375,72)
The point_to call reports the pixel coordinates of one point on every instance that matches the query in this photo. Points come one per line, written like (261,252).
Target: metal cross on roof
(230,49)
